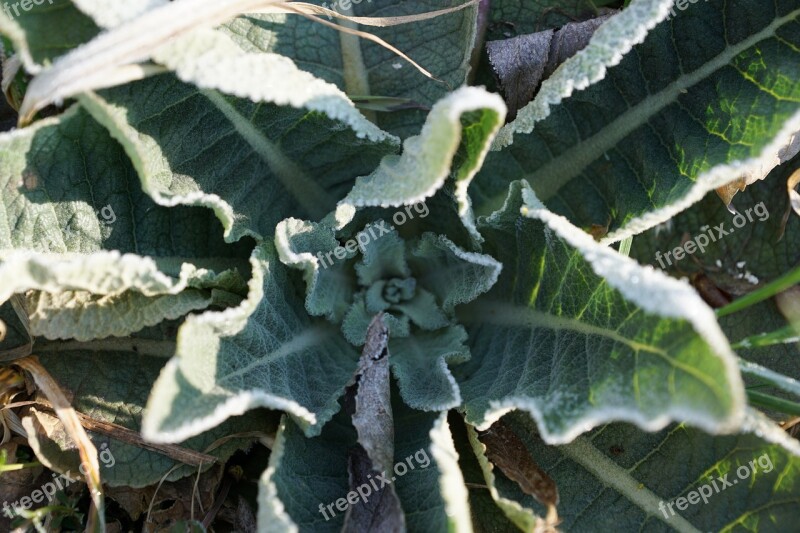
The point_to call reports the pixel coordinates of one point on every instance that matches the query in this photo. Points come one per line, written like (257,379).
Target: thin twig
(180,454)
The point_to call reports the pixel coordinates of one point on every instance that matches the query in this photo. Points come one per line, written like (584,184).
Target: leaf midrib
(309,194)
(505,314)
(615,477)
(311,336)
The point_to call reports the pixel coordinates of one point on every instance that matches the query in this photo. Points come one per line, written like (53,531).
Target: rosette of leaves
(236,161)
(417,284)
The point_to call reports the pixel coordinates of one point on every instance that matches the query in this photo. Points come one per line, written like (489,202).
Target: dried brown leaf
(508,453)
(369,402)
(728,191)
(521,63)
(380,512)
(88,453)
(373,409)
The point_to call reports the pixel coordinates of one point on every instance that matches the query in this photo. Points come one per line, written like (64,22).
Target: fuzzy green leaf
(454,142)
(617,466)
(453,275)
(265,353)
(81,223)
(250,162)
(655,132)
(420,364)
(578,335)
(360,67)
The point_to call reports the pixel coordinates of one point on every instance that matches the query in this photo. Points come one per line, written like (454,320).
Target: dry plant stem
(213,446)
(180,454)
(369,37)
(88,453)
(113,57)
(380,22)
(355,76)
(222,494)
(195,495)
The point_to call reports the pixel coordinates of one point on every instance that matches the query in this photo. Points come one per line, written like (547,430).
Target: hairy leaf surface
(692,107)
(634,472)
(73,217)
(577,334)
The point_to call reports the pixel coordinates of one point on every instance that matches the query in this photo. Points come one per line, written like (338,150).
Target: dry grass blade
(72,425)
(213,446)
(380,22)
(369,37)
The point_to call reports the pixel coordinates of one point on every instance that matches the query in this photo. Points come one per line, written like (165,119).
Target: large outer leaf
(176,36)
(663,126)
(83,316)
(578,335)
(73,217)
(240,156)
(111,384)
(251,162)
(753,254)
(442,45)
(621,468)
(267,352)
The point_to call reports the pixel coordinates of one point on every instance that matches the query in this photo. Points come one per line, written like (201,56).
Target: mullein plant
(526,336)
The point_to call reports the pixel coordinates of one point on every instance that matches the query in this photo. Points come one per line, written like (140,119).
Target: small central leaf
(399,290)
